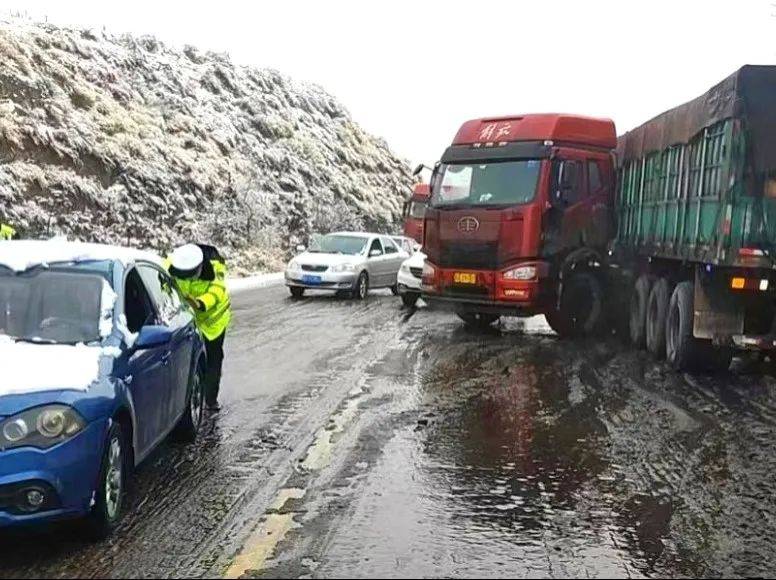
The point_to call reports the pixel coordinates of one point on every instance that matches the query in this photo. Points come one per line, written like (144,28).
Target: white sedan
(351,262)
(410,276)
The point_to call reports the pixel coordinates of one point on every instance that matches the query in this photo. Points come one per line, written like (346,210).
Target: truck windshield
(50,306)
(486,184)
(417,209)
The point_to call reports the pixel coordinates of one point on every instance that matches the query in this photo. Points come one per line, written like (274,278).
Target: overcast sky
(413,71)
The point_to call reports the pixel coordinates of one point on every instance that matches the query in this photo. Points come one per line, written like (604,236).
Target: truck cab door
(567,220)
(600,183)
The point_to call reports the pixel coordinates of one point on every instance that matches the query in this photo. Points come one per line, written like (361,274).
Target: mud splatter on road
(363,439)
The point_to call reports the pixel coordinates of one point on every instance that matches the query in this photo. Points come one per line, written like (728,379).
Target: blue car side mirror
(152,335)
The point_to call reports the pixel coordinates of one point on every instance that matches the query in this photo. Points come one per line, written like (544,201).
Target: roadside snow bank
(257,281)
(125,140)
(29,368)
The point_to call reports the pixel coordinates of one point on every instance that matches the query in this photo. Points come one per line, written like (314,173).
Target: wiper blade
(445,206)
(36,340)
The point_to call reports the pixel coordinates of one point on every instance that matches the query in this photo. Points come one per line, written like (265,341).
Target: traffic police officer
(6,232)
(202,281)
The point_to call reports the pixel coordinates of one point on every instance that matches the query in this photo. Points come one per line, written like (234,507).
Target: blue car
(101,361)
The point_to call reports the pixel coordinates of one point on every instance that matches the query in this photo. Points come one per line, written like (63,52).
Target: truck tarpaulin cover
(748,94)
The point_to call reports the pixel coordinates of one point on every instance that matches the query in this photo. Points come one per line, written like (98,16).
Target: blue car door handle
(166,358)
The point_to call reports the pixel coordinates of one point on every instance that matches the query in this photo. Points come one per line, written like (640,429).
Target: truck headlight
(42,427)
(343,268)
(521,273)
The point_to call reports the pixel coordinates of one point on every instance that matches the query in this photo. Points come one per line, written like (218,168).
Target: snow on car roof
(356,234)
(24,254)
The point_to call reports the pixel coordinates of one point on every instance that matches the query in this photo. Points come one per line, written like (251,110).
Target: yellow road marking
(284,495)
(320,452)
(263,541)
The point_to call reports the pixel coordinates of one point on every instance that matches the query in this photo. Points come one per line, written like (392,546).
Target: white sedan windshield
(338,244)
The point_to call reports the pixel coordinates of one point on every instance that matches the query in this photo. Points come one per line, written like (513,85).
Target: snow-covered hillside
(126,140)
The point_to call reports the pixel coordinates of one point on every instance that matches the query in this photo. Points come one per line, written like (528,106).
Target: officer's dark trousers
(215,361)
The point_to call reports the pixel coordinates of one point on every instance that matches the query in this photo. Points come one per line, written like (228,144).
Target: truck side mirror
(418,170)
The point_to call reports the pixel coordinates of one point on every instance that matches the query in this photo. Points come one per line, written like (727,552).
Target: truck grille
(417,272)
(476,255)
(310,268)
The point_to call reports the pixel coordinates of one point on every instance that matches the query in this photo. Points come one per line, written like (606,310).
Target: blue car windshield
(51,305)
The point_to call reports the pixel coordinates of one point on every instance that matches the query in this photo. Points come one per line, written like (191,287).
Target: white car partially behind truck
(410,276)
(346,262)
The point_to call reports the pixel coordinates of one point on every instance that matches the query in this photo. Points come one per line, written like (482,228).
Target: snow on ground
(255,281)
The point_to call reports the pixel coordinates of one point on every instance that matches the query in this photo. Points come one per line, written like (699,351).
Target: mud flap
(718,312)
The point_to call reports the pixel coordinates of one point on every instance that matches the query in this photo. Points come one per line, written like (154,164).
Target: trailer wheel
(681,346)
(657,314)
(638,310)
(683,351)
(581,307)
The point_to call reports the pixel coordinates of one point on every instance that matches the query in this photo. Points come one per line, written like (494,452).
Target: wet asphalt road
(363,439)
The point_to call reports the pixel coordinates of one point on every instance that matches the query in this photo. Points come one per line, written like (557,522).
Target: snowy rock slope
(125,140)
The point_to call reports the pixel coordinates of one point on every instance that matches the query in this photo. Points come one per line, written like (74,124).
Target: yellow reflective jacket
(216,315)
(6,232)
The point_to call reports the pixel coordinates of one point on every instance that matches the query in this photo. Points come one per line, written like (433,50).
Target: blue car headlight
(41,427)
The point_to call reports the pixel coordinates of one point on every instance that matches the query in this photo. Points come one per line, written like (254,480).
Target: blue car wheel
(111,485)
(187,428)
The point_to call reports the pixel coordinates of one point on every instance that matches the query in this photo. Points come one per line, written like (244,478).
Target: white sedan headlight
(521,273)
(343,268)
(293,266)
(405,268)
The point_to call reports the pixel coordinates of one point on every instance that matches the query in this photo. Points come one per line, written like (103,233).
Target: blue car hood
(31,382)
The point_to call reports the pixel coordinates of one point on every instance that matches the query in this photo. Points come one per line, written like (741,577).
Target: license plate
(307,279)
(465,278)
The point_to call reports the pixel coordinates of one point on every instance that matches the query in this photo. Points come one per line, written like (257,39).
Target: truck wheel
(681,346)
(638,310)
(657,314)
(410,299)
(478,319)
(296,292)
(581,307)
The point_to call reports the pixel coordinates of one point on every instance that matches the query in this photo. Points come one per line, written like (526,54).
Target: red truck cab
(415,212)
(517,203)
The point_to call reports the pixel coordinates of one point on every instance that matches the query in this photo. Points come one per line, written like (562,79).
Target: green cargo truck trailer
(696,225)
